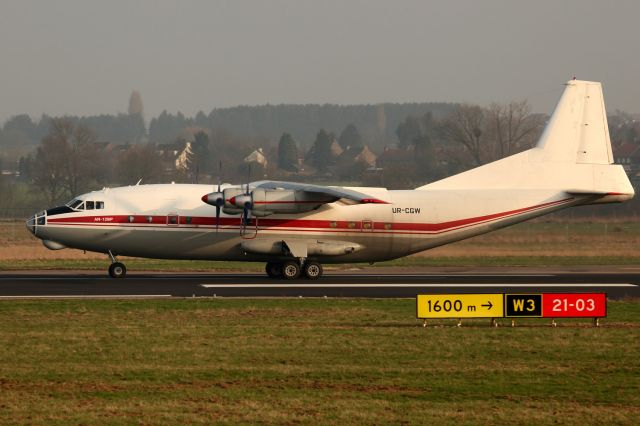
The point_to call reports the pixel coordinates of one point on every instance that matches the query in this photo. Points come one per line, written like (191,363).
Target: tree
(67,161)
(140,161)
(320,154)
(512,127)
(167,127)
(465,126)
(408,131)
(49,168)
(201,157)
(22,124)
(83,162)
(417,133)
(287,153)
(350,138)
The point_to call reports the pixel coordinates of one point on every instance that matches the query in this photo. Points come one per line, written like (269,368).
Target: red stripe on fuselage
(297,224)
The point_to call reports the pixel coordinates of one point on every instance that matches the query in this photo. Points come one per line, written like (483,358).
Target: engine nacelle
(286,201)
(215,199)
(228,194)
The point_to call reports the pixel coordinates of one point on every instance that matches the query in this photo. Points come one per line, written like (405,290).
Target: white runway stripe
(426,285)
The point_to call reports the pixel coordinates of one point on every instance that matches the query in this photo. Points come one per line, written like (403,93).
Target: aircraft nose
(31,224)
(36,220)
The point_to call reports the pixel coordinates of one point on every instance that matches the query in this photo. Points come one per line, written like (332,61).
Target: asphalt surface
(368,283)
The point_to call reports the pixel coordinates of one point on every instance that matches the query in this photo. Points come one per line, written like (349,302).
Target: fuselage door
(173,220)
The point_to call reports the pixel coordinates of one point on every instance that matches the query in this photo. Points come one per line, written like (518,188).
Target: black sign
(523,305)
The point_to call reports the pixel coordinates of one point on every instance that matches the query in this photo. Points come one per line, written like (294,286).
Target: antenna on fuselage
(139,182)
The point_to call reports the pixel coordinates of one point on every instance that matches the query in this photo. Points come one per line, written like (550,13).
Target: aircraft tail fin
(578,131)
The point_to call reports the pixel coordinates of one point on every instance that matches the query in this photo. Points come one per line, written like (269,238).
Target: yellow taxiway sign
(460,306)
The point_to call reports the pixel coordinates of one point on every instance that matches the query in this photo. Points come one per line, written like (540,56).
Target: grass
(333,361)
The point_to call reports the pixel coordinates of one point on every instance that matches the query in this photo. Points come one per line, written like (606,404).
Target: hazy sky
(85,57)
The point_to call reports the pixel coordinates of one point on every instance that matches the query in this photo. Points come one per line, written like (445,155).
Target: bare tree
(83,161)
(49,168)
(140,161)
(67,161)
(511,127)
(465,125)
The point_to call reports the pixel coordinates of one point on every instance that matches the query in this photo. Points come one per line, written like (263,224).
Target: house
(184,159)
(257,156)
(359,155)
(628,155)
(394,156)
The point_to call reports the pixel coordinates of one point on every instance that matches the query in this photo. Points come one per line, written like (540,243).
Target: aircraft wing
(336,192)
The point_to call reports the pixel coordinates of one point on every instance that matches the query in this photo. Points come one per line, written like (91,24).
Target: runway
(334,284)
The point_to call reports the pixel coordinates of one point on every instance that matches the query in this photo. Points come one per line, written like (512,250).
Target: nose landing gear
(116,269)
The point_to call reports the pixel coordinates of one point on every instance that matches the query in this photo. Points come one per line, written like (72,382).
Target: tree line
(71,158)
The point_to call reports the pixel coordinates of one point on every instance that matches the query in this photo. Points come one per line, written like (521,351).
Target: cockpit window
(77,204)
(74,203)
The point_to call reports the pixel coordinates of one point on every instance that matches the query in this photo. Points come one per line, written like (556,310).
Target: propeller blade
(219,174)
(245,216)
(218,204)
(248,178)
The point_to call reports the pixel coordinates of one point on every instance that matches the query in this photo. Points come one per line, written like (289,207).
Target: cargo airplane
(294,228)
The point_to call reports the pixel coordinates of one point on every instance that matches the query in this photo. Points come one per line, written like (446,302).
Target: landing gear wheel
(117,270)
(274,269)
(312,270)
(290,270)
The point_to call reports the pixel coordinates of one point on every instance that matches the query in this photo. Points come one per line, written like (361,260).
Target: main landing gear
(292,269)
(116,269)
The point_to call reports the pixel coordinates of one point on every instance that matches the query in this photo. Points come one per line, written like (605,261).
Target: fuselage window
(99,204)
(89,205)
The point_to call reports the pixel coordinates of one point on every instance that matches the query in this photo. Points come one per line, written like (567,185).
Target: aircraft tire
(274,269)
(117,270)
(312,270)
(290,270)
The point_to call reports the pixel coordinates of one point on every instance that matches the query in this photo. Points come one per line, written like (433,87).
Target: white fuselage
(170,221)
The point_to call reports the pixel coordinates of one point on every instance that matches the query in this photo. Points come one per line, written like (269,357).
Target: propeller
(216,198)
(246,200)
(219,200)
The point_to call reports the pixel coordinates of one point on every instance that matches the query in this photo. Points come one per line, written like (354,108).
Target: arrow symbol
(488,305)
